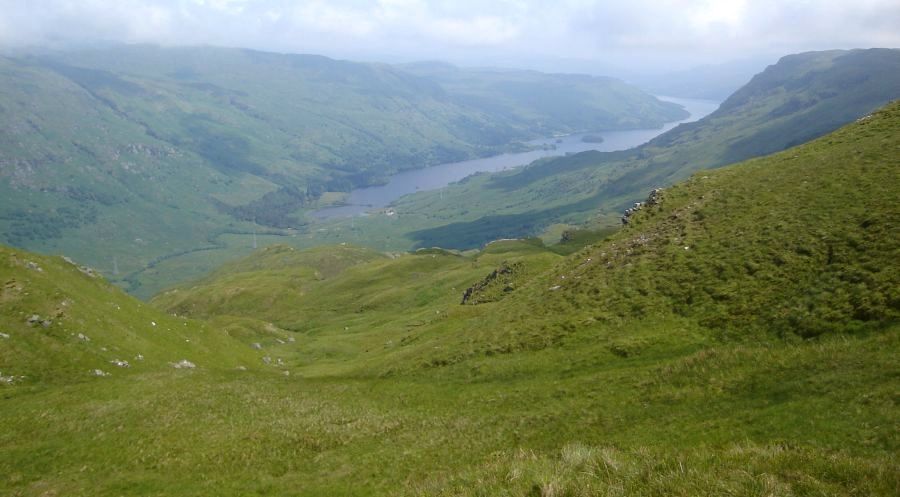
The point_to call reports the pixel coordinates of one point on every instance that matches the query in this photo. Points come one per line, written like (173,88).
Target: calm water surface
(431,178)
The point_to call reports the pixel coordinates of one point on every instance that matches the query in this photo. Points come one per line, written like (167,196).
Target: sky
(566,35)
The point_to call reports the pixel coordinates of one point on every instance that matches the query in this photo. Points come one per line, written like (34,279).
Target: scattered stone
(241,368)
(292,339)
(139,357)
(152,323)
(286,373)
(184,364)
(84,269)
(9,380)
(256,346)
(120,363)
(100,372)
(36,319)
(34,266)
(4,335)
(83,337)
(267,360)
(554,288)
(280,341)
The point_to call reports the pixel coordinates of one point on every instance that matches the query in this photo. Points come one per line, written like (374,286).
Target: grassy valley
(166,152)
(738,337)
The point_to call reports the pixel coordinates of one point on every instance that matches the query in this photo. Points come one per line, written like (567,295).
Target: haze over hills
(557,101)
(159,151)
(712,81)
(801,97)
(739,335)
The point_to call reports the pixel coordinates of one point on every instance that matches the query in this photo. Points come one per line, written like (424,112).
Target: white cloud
(460,29)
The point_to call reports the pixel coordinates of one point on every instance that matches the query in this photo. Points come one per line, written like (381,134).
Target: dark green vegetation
(163,152)
(758,360)
(800,98)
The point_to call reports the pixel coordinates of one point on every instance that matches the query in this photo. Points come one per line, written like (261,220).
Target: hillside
(797,244)
(560,102)
(62,323)
(163,152)
(799,98)
(761,359)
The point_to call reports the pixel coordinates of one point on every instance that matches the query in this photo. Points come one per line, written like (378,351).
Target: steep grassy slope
(801,97)
(166,151)
(634,366)
(61,323)
(797,244)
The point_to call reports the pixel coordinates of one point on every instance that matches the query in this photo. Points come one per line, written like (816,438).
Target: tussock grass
(743,469)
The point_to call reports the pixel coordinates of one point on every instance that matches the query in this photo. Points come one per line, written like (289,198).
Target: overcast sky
(564,34)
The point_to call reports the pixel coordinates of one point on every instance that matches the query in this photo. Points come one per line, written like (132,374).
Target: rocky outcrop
(653,199)
(495,285)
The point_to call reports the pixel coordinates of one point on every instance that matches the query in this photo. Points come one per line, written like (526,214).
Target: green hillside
(163,152)
(62,323)
(738,337)
(799,98)
(794,245)
(560,102)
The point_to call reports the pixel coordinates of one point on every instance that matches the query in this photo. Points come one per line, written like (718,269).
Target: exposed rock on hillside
(495,285)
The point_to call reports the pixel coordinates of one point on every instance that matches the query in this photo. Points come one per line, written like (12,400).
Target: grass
(617,370)
(739,469)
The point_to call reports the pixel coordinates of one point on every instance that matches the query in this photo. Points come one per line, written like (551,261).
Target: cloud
(461,29)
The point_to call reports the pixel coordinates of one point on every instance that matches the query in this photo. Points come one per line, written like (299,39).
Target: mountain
(571,102)
(738,336)
(161,152)
(798,99)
